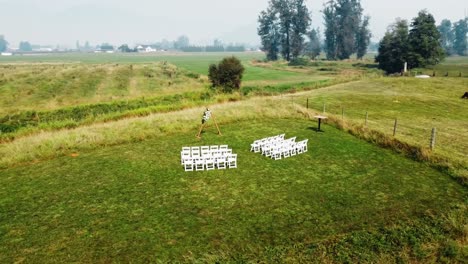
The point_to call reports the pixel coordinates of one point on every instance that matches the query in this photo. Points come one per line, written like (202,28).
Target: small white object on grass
(423,76)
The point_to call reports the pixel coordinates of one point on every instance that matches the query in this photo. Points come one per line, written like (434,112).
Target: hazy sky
(146,21)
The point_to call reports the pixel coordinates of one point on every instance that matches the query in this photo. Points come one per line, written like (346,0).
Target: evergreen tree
(393,48)
(300,23)
(460,43)
(3,44)
(363,38)
(314,46)
(424,40)
(348,13)
(282,28)
(331,27)
(346,31)
(446,36)
(268,31)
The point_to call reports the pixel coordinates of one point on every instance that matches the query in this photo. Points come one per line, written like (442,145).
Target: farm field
(90,162)
(345,200)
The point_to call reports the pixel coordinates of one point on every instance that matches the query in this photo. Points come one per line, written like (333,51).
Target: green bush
(227,75)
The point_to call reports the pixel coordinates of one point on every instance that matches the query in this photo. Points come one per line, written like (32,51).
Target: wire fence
(435,134)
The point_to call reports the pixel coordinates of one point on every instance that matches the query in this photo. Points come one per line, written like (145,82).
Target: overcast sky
(145,21)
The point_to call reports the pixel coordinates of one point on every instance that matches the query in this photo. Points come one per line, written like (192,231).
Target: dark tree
(460,43)
(3,44)
(314,46)
(125,48)
(424,40)
(282,28)
(25,46)
(300,23)
(285,13)
(446,36)
(331,28)
(363,38)
(227,75)
(349,13)
(393,48)
(268,30)
(346,30)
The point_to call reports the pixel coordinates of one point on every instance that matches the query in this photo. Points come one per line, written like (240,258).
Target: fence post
(433,138)
(367,117)
(395,127)
(307,103)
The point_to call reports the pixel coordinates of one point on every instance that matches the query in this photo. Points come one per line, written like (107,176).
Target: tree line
(420,43)
(285,24)
(453,36)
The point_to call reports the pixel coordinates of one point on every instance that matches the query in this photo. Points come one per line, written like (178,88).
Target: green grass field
(134,203)
(93,172)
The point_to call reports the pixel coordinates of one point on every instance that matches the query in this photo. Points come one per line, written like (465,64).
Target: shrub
(227,75)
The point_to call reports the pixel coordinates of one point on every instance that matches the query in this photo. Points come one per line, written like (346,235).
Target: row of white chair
(277,147)
(220,163)
(207,157)
(257,145)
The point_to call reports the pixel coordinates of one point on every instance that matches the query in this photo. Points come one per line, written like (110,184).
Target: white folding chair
(205,153)
(232,161)
(183,156)
(293,149)
(195,149)
(255,147)
(223,147)
(204,148)
(276,153)
(188,164)
(304,146)
(195,154)
(221,163)
(199,164)
(184,149)
(285,149)
(210,164)
(214,148)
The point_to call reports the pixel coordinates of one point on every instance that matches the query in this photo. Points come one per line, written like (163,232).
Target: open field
(341,201)
(418,105)
(93,172)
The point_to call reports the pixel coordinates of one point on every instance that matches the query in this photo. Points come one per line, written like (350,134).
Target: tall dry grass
(51,144)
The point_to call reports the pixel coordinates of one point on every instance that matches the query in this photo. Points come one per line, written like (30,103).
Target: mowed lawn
(135,203)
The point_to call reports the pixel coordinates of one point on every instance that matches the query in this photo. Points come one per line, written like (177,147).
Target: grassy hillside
(418,105)
(343,201)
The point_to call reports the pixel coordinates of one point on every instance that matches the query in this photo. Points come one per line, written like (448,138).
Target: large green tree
(300,23)
(424,40)
(363,38)
(460,43)
(349,13)
(3,44)
(446,36)
(331,29)
(346,30)
(394,47)
(282,27)
(269,32)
